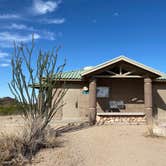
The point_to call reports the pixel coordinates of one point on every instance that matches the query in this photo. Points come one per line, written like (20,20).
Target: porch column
(148,99)
(92,101)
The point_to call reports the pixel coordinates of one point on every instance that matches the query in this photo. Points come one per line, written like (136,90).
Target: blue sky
(89,31)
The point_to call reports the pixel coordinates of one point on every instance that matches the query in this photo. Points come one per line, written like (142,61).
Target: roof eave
(123,58)
(78,80)
(159,80)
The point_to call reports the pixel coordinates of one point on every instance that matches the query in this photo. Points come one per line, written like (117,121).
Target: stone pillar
(92,101)
(148,99)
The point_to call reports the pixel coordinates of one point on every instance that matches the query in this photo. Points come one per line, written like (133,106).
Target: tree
(37,88)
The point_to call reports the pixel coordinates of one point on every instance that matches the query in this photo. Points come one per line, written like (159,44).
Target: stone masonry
(132,120)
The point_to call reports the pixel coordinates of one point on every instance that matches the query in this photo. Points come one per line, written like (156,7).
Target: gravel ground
(116,145)
(106,146)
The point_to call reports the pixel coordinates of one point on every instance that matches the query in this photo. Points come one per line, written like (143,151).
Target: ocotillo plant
(38,90)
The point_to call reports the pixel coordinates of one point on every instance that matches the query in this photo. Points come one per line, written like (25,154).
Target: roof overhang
(156,73)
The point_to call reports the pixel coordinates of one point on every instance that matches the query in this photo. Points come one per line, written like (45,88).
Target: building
(118,91)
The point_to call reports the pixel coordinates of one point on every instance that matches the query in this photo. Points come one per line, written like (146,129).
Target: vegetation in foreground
(38,104)
(15,150)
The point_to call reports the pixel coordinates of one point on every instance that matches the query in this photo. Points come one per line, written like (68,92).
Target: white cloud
(48,35)
(10,37)
(54,21)
(4,57)
(5,44)
(9,16)
(40,7)
(4,64)
(3,54)
(94,21)
(7,38)
(116,14)
(43,33)
(7,60)
(19,27)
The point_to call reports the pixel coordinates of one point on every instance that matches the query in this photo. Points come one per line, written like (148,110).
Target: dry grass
(11,150)
(19,150)
(17,146)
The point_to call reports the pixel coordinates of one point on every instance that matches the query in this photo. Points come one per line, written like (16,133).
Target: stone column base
(131,120)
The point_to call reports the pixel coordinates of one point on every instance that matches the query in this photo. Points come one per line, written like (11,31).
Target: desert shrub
(10,110)
(38,90)
(18,150)
(11,151)
(8,106)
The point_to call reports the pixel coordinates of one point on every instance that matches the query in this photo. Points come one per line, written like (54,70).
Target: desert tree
(37,89)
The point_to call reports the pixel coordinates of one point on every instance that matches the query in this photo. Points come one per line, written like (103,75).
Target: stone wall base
(131,120)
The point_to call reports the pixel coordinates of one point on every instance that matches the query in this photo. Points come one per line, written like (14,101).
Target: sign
(102,92)
(116,104)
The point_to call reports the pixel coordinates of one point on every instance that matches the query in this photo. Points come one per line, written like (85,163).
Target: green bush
(9,110)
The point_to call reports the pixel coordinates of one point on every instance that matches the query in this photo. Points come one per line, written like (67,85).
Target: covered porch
(134,96)
(121,91)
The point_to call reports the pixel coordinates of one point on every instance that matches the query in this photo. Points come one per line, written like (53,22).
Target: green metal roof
(76,75)
(72,75)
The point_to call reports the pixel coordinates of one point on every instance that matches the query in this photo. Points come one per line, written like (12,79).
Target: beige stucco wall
(159,100)
(76,103)
(58,115)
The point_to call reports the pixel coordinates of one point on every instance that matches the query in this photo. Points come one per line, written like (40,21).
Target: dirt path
(106,146)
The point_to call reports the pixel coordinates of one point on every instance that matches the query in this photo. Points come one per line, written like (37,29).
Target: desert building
(118,91)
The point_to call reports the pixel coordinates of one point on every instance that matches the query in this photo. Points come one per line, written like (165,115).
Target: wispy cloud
(4,44)
(94,21)
(9,16)
(19,27)
(4,65)
(43,33)
(54,21)
(7,36)
(116,14)
(4,59)
(48,35)
(3,54)
(40,7)
(7,60)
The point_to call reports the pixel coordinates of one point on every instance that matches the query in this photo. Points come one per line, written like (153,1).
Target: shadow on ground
(70,127)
